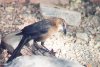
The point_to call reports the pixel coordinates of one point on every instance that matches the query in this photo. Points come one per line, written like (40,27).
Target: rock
(97,45)
(38,61)
(55,2)
(82,36)
(11,41)
(97,37)
(10,9)
(71,17)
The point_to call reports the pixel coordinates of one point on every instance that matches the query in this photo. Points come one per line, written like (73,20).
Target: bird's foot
(52,52)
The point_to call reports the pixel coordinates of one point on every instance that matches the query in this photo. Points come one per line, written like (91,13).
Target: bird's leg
(39,47)
(36,45)
(42,43)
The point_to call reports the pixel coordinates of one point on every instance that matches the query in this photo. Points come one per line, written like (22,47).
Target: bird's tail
(20,33)
(23,41)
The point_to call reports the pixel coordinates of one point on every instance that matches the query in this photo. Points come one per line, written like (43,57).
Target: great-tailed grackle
(39,31)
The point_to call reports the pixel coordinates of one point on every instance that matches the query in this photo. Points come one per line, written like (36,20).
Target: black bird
(39,31)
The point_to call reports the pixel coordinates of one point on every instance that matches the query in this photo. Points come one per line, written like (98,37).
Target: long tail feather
(23,41)
(20,33)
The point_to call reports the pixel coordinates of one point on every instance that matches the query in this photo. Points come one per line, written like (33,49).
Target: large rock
(38,61)
(71,17)
(11,41)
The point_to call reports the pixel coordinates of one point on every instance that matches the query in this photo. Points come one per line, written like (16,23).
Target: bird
(39,31)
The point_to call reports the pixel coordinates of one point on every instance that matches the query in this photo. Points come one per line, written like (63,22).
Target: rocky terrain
(82,42)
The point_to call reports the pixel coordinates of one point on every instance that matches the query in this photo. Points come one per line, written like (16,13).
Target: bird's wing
(40,27)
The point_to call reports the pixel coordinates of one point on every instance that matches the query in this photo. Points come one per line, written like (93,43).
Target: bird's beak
(64,28)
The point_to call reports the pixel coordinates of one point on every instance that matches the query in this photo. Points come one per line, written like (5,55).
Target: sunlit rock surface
(71,17)
(38,61)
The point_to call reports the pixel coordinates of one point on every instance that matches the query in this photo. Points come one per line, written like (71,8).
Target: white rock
(9,9)
(11,41)
(41,61)
(97,38)
(97,45)
(82,36)
(71,17)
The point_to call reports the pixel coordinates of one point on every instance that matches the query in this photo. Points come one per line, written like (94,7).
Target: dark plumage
(38,31)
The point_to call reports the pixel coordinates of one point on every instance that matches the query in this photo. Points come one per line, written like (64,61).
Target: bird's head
(60,24)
